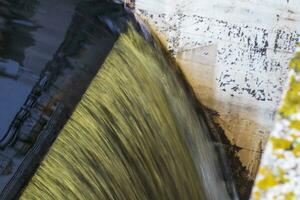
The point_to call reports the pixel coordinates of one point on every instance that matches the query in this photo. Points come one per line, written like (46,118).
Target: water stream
(134,135)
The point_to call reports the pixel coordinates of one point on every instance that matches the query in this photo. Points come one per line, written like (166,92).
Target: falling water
(134,135)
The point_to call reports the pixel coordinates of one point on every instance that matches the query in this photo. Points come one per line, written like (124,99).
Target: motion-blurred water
(134,135)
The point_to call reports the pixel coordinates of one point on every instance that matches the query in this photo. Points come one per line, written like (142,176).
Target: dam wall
(235,56)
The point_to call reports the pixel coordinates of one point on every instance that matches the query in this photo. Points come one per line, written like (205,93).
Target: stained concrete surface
(235,55)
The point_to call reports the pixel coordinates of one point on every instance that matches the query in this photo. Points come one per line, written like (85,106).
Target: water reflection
(50,51)
(16,35)
(16,28)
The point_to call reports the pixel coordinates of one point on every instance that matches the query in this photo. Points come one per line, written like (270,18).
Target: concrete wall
(235,55)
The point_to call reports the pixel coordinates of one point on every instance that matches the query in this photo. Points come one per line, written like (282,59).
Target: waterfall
(135,134)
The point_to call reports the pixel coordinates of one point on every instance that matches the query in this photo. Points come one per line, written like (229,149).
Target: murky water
(134,135)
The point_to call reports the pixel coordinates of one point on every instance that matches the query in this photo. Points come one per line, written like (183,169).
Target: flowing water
(134,135)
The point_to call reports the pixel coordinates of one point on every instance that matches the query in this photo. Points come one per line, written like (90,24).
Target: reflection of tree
(85,29)
(86,32)
(16,37)
(15,40)
(24,7)
(87,24)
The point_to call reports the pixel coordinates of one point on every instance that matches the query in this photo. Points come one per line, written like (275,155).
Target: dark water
(49,52)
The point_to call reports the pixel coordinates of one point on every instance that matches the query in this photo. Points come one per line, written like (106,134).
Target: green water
(134,135)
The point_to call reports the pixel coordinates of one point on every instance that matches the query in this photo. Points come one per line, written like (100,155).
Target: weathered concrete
(235,56)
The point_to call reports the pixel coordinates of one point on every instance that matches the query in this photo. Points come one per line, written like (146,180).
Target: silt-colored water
(134,135)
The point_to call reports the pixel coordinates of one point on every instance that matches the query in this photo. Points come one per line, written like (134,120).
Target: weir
(49,53)
(182,81)
(136,134)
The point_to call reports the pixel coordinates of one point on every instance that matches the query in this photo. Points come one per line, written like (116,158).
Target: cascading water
(134,135)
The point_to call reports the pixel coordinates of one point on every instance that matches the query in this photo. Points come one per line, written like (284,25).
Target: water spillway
(134,135)
(50,51)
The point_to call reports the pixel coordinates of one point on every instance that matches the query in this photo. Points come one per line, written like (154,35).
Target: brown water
(134,135)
